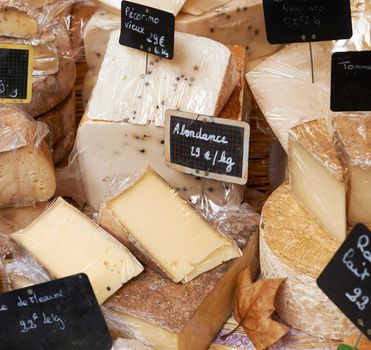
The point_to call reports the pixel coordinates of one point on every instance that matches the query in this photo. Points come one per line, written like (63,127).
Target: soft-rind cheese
(294,246)
(236,22)
(66,242)
(352,136)
(317,177)
(175,239)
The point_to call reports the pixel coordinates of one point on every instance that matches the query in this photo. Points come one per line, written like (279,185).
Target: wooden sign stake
(311,61)
(147,56)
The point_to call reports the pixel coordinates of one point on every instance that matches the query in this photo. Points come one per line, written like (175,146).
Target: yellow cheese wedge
(66,242)
(173,237)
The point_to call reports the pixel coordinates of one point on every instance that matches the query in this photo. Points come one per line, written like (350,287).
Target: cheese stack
(236,22)
(36,23)
(127,108)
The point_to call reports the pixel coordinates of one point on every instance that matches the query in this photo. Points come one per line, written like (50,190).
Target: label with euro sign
(292,21)
(147,29)
(347,279)
(61,314)
(207,147)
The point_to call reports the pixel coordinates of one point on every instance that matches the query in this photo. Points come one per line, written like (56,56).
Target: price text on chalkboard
(147,29)
(59,315)
(206,146)
(15,73)
(351,81)
(347,279)
(290,21)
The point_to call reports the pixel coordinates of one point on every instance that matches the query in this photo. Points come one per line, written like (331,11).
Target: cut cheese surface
(294,246)
(66,242)
(353,141)
(194,313)
(174,237)
(316,176)
(236,22)
(172,6)
(200,79)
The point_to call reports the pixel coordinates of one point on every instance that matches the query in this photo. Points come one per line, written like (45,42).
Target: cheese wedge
(172,6)
(294,246)
(317,177)
(66,242)
(195,312)
(236,22)
(133,115)
(353,142)
(38,3)
(174,239)
(63,148)
(88,86)
(126,344)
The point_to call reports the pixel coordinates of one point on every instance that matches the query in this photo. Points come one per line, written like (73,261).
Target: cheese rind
(294,246)
(174,239)
(66,242)
(317,177)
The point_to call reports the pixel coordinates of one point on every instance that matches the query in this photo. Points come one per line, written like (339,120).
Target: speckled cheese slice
(294,246)
(317,178)
(199,7)
(172,6)
(236,22)
(175,238)
(66,242)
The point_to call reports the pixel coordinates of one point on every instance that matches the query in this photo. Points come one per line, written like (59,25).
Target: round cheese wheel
(294,246)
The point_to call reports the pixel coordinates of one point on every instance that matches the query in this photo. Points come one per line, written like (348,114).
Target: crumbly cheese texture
(317,177)
(236,22)
(66,242)
(192,82)
(294,246)
(174,238)
(172,6)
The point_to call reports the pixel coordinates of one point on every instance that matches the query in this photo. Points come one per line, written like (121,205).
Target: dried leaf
(254,308)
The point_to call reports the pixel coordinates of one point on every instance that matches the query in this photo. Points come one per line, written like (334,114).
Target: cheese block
(62,149)
(192,313)
(128,344)
(294,246)
(96,36)
(14,219)
(353,142)
(50,90)
(317,177)
(26,169)
(134,125)
(174,239)
(172,6)
(66,242)
(18,20)
(89,82)
(60,120)
(236,22)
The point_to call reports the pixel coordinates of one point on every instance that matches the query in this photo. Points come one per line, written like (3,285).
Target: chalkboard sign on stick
(59,315)
(351,81)
(15,73)
(205,146)
(290,21)
(347,279)
(147,29)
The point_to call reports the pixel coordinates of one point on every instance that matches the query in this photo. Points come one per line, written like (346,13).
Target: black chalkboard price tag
(205,146)
(59,315)
(347,278)
(351,81)
(290,21)
(147,29)
(15,73)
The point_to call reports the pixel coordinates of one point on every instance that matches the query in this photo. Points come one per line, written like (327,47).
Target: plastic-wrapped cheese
(122,130)
(236,22)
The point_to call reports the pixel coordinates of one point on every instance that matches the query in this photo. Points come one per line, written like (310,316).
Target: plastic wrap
(65,242)
(127,107)
(236,22)
(191,314)
(282,84)
(26,168)
(189,246)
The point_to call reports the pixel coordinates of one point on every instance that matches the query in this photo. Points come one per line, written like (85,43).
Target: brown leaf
(254,308)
